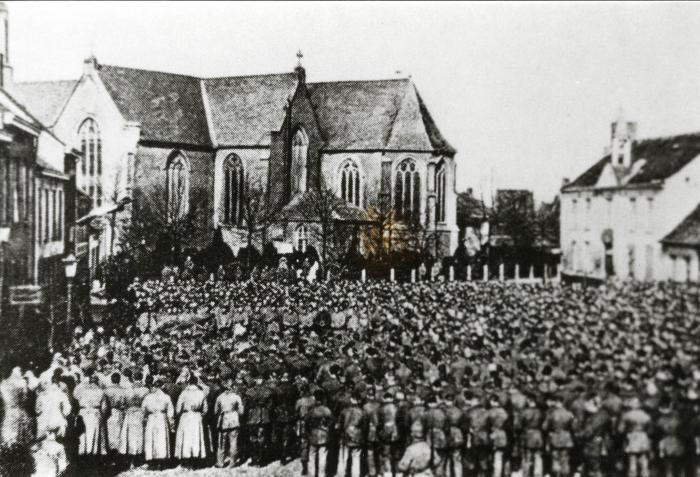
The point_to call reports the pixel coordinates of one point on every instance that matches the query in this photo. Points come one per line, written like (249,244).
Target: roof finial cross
(300,55)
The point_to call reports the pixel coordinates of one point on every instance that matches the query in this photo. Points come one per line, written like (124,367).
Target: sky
(525,92)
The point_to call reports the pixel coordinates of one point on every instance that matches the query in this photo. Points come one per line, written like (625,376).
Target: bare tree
(163,221)
(255,214)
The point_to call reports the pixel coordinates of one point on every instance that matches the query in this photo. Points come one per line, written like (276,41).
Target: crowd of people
(378,378)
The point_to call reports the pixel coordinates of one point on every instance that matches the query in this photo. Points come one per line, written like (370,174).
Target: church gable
(408,131)
(246,109)
(168,106)
(375,115)
(357,115)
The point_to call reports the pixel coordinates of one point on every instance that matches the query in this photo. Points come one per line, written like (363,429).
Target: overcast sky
(525,92)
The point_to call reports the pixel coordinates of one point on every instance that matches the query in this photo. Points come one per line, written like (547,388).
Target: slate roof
(302,208)
(368,114)
(687,232)
(664,157)
(169,106)
(245,109)
(45,99)
(470,210)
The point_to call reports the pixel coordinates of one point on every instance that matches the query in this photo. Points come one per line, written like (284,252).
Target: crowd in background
(431,378)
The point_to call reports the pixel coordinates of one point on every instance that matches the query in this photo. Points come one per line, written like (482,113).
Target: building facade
(617,218)
(37,194)
(203,148)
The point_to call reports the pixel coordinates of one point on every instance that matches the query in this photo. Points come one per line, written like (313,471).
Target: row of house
(39,201)
(635,213)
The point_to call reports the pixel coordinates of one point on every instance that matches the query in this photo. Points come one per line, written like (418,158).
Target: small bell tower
(623,134)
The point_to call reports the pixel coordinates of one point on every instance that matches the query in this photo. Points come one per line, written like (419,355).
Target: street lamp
(71,265)
(4,237)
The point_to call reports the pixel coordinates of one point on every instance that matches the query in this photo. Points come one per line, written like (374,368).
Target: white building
(629,215)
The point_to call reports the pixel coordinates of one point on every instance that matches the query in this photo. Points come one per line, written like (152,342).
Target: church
(182,145)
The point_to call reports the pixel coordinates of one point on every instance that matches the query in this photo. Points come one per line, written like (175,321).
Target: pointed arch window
(91,148)
(301,238)
(350,183)
(233,189)
(407,191)
(300,149)
(178,187)
(440,188)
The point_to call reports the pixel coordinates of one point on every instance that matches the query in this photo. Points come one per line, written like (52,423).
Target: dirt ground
(292,469)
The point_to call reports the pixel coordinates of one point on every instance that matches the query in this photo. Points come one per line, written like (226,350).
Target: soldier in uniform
(559,426)
(671,448)
(594,436)
(388,435)
(302,407)
(435,421)
(351,429)
(283,398)
(516,404)
(318,422)
(259,400)
(612,404)
(455,423)
(228,408)
(529,428)
(634,425)
(496,421)
(415,461)
(478,444)
(371,421)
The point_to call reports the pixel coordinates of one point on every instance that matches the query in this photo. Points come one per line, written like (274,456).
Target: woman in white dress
(190,443)
(131,436)
(159,413)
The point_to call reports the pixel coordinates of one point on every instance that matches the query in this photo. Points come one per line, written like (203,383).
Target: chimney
(565,182)
(90,64)
(5,68)
(623,134)
(470,191)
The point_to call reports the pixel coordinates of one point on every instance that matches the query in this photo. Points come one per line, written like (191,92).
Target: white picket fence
(486,275)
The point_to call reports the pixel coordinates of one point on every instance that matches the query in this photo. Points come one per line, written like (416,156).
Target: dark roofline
(359,81)
(415,151)
(176,145)
(99,66)
(48,81)
(205,78)
(655,184)
(288,73)
(571,186)
(678,243)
